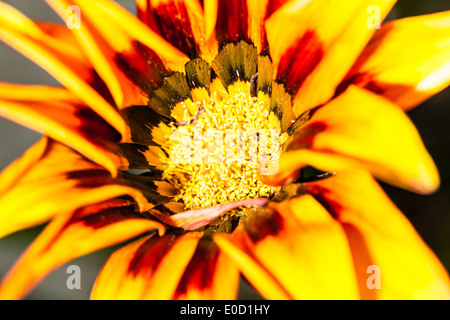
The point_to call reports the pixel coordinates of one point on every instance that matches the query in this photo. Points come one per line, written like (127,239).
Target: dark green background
(429,214)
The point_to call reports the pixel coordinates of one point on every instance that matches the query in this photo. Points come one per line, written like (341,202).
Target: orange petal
(54,48)
(296,242)
(13,173)
(379,235)
(64,118)
(232,24)
(359,129)
(238,20)
(209,275)
(210,8)
(149,268)
(260,11)
(181,22)
(232,21)
(142,7)
(313,56)
(407,61)
(53,179)
(71,236)
(155,191)
(122,31)
(234,245)
(242,20)
(257,10)
(103,57)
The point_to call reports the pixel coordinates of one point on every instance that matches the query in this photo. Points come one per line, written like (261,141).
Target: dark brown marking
(95,128)
(134,154)
(236,61)
(147,185)
(143,67)
(265,74)
(302,120)
(304,136)
(269,223)
(198,73)
(141,120)
(253,85)
(173,90)
(95,217)
(108,216)
(87,174)
(90,178)
(99,85)
(316,176)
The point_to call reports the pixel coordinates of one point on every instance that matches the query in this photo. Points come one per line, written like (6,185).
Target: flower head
(235,137)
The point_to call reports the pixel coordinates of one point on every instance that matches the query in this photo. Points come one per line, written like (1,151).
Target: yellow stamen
(202,162)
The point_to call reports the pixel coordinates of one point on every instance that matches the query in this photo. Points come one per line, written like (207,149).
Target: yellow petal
(379,235)
(71,236)
(149,268)
(181,22)
(234,246)
(296,243)
(260,11)
(210,275)
(54,48)
(64,118)
(407,61)
(53,179)
(359,129)
(12,174)
(123,30)
(314,44)
(103,58)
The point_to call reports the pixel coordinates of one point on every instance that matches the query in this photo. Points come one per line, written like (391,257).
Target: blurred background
(429,214)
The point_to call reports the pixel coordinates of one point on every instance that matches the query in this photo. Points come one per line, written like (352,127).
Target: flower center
(219,146)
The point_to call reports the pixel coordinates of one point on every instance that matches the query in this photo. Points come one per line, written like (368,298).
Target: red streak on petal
(172,21)
(232,21)
(95,128)
(200,271)
(304,137)
(299,61)
(273,6)
(363,80)
(148,256)
(322,195)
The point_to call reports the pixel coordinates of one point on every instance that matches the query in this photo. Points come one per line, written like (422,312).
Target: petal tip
(427,180)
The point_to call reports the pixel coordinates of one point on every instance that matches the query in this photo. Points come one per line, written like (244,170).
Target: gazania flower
(126,152)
